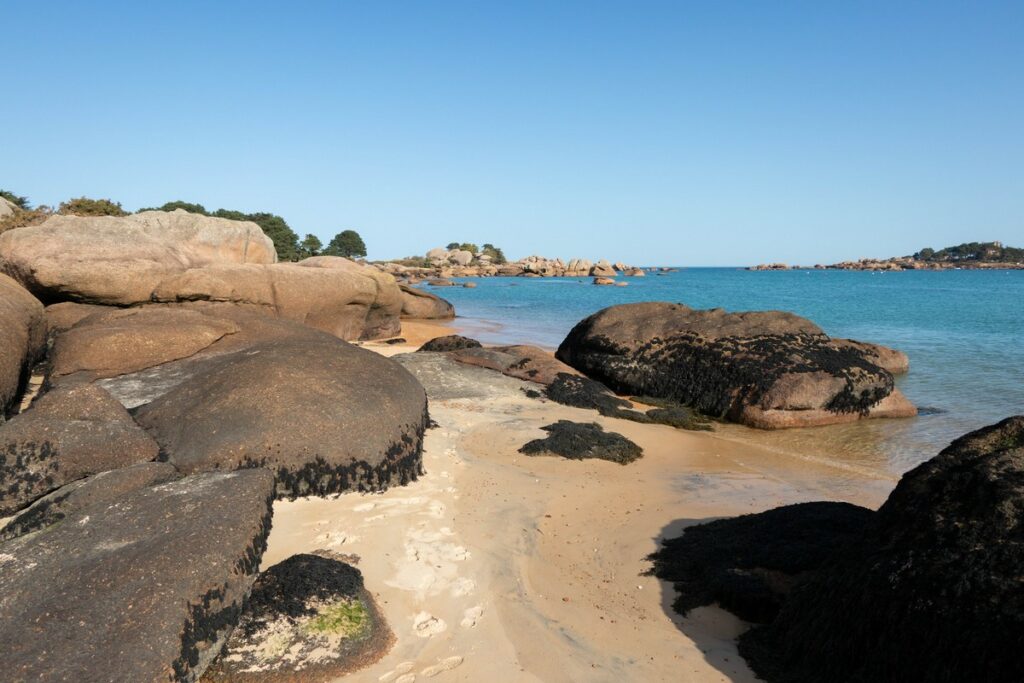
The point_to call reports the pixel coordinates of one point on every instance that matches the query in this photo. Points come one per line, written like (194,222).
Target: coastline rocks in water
(603,281)
(308,618)
(146,589)
(767,369)
(324,415)
(121,260)
(440,282)
(452,342)
(896,362)
(583,441)
(119,341)
(418,304)
(523,362)
(66,434)
(104,487)
(22,339)
(603,269)
(749,564)
(348,303)
(931,591)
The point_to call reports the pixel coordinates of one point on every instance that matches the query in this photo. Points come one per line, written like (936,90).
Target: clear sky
(688,133)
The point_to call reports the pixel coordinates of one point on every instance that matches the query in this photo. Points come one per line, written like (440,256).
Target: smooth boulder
(324,415)
(422,305)
(766,369)
(119,341)
(930,591)
(530,363)
(22,339)
(144,589)
(66,434)
(121,260)
(348,303)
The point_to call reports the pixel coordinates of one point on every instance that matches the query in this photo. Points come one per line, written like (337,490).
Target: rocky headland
(218,466)
(967,256)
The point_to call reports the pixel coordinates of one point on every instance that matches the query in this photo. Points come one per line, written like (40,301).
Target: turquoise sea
(963,331)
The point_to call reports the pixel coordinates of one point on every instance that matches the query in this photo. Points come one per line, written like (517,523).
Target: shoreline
(492,561)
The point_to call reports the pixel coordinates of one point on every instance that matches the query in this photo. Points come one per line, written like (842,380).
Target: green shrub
(346,243)
(22,218)
(310,246)
(18,201)
(83,206)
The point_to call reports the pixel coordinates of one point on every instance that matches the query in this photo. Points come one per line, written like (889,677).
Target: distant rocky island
(969,255)
(467,260)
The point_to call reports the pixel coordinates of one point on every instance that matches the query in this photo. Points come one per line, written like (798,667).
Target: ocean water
(963,331)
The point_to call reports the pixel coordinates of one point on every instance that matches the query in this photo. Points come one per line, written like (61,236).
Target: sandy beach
(498,566)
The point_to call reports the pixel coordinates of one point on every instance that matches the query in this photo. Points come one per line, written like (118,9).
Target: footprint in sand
(442,666)
(471,616)
(427,625)
(403,668)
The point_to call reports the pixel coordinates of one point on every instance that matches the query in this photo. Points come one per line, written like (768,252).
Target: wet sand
(496,566)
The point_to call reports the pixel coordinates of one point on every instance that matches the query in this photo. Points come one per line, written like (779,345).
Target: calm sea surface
(963,330)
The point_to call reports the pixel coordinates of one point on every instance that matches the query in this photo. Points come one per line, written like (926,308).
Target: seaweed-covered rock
(22,339)
(893,360)
(308,618)
(105,487)
(581,392)
(120,341)
(530,363)
(767,369)
(146,589)
(452,342)
(749,564)
(67,434)
(583,441)
(931,591)
(420,304)
(324,415)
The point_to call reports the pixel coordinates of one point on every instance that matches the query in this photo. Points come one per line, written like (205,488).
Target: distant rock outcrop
(145,589)
(764,369)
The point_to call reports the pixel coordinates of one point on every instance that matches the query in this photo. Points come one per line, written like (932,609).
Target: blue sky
(712,133)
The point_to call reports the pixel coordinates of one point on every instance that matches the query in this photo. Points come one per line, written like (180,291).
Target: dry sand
(496,566)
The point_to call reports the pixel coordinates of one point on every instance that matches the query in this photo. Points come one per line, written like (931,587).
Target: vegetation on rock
(84,206)
(972,251)
(20,202)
